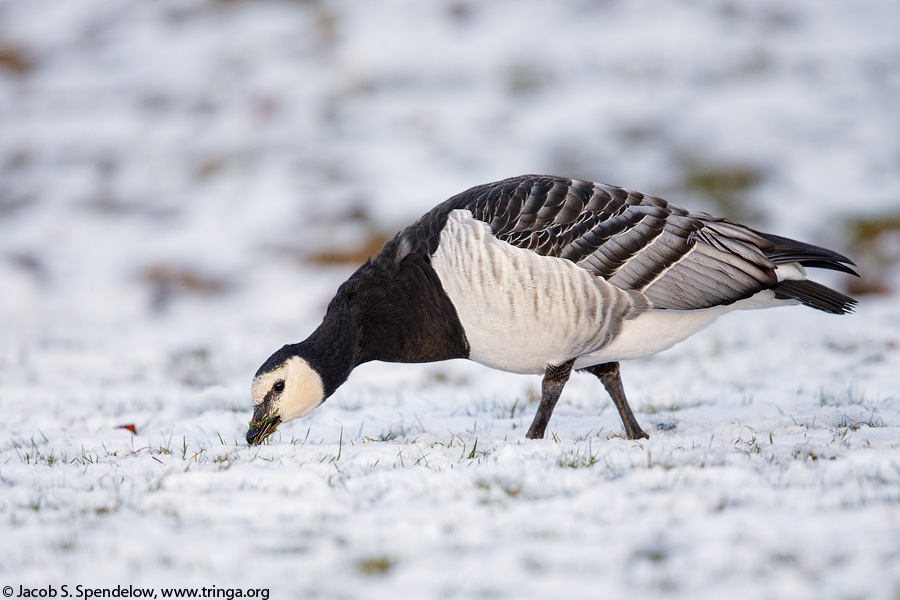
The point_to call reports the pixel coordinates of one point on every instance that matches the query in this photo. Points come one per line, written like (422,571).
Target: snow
(167,168)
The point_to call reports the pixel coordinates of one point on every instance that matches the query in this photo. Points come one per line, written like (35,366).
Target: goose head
(285,388)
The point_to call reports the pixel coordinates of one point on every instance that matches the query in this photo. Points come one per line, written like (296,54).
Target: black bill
(262,426)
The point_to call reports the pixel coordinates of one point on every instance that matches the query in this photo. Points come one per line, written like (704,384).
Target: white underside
(658,330)
(522,312)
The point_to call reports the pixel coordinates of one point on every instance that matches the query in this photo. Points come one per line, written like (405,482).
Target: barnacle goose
(538,274)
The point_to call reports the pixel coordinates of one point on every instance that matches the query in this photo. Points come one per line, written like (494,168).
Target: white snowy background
(184,184)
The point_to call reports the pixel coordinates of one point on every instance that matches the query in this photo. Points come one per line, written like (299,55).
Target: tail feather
(815,295)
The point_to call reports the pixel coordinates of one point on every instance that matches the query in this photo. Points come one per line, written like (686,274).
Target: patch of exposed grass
(579,458)
(750,446)
(651,554)
(511,489)
(474,453)
(653,409)
(807,455)
(384,436)
(167,282)
(725,186)
(500,409)
(31,454)
(16,60)
(867,228)
(851,424)
(849,397)
(375,565)
(356,255)
(875,248)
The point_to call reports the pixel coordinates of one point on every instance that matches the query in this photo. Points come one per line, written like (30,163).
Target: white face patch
(303,389)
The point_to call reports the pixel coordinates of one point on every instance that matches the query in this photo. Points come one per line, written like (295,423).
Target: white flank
(658,330)
(522,311)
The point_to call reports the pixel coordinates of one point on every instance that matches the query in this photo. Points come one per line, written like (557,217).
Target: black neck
(330,349)
(393,311)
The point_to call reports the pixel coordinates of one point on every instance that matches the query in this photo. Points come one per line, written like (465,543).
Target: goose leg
(608,373)
(555,379)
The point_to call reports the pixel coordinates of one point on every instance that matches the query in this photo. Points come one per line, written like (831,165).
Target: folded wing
(679,259)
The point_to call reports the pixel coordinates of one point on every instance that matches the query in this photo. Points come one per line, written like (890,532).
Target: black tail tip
(815,295)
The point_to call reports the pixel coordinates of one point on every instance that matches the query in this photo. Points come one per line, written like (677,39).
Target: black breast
(399,305)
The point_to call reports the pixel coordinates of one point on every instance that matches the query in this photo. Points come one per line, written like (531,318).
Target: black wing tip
(815,295)
(786,250)
(843,266)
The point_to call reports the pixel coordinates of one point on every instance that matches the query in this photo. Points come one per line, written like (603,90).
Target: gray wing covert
(678,259)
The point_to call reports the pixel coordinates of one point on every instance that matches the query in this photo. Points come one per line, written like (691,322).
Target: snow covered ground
(184,183)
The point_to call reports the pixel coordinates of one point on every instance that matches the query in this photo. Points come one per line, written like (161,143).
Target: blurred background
(185,183)
(212,169)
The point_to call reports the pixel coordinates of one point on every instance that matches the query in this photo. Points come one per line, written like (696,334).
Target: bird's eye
(279,386)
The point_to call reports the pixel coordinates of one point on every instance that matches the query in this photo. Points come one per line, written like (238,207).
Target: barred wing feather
(679,259)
